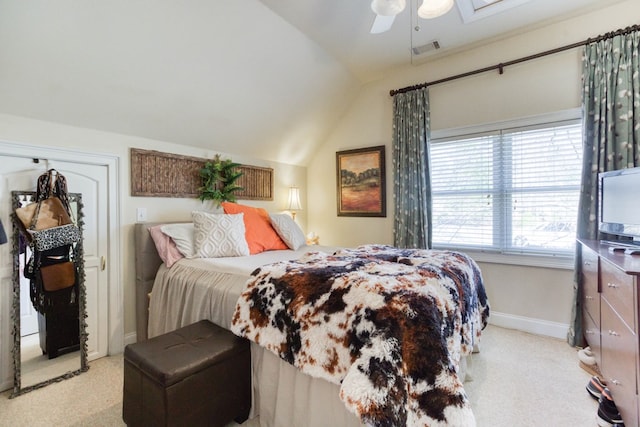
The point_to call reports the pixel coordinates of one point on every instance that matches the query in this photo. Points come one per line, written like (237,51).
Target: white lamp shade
(388,7)
(434,8)
(294,199)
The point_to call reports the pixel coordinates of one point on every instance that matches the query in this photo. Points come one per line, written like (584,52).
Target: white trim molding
(529,324)
(130,338)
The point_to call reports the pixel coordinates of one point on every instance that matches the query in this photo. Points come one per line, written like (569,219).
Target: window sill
(530,260)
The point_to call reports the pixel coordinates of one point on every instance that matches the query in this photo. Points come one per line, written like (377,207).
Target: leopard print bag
(55,237)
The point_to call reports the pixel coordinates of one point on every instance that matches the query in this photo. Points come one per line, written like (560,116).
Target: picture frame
(361,184)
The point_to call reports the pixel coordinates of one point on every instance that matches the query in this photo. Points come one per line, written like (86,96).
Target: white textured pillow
(219,235)
(288,230)
(182,235)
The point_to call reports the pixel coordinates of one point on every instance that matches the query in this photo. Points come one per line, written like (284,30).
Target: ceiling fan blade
(382,23)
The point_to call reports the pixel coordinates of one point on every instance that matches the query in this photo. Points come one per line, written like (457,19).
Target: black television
(619,205)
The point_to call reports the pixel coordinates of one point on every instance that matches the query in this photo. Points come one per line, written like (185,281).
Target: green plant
(218,180)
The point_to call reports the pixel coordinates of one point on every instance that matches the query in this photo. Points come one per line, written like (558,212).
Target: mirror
(48,345)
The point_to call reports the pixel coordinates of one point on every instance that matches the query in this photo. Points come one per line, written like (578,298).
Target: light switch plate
(141,214)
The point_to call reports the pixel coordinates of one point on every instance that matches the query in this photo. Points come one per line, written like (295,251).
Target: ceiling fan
(386,11)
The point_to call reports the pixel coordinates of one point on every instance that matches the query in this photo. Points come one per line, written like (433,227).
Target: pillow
(165,246)
(288,230)
(182,235)
(219,235)
(259,233)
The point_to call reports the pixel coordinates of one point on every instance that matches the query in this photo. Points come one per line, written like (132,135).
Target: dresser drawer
(590,284)
(619,348)
(618,289)
(592,335)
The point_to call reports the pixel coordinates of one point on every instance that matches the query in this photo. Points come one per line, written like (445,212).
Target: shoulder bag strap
(43,190)
(60,191)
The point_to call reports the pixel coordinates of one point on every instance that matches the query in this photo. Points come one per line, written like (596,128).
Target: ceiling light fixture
(434,8)
(388,7)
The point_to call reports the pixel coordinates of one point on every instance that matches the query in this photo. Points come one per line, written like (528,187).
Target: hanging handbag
(52,288)
(52,213)
(58,276)
(51,225)
(51,207)
(55,237)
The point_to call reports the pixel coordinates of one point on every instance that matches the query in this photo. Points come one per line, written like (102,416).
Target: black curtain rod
(500,67)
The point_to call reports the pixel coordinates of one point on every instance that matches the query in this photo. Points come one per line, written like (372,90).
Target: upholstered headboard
(147,263)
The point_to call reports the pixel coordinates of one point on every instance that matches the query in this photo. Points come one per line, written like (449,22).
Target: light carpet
(517,379)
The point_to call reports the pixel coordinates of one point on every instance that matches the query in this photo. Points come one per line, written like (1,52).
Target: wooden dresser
(610,306)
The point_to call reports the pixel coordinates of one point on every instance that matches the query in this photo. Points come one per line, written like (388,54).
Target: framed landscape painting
(361,182)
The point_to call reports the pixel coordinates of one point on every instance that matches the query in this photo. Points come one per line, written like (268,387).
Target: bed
(302,395)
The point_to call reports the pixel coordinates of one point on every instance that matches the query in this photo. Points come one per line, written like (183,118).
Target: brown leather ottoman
(199,375)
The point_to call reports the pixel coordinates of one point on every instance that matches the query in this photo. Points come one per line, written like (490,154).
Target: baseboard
(130,338)
(6,385)
(529,324)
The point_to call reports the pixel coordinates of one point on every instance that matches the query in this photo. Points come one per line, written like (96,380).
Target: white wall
(33,132)
(539,86)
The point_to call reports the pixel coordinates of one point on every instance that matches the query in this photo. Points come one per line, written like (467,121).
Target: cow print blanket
(389,325)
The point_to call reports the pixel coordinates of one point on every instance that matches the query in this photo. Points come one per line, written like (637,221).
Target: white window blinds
(510,191)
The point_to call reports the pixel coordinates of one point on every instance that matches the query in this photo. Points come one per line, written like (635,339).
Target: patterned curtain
(411,184)
(611,134)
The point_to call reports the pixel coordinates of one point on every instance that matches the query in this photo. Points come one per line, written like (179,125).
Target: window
(508,191)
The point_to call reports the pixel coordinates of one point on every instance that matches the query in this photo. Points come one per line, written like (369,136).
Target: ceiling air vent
(431,46)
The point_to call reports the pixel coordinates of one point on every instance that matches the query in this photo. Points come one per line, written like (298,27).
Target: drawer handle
(615,382)
(612,285)
(587,263)
(613,333)
(589,332)
(589,297)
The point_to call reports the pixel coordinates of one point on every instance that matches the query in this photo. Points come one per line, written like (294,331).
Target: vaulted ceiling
(266,79)
(342,28)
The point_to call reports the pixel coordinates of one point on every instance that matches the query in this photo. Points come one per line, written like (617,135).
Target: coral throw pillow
(259,233)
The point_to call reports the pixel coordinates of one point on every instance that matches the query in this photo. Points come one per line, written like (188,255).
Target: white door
(19,173)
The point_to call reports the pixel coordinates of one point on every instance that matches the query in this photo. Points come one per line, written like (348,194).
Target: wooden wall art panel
(157,174)
(256,183)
